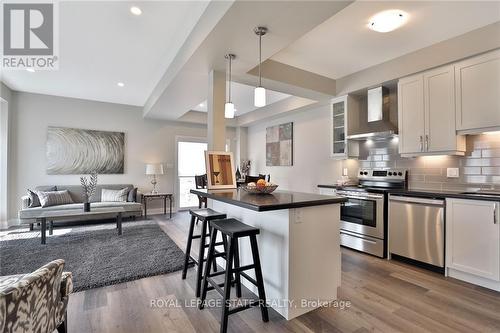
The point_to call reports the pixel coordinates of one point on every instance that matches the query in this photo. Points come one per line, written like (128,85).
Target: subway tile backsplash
(479,169)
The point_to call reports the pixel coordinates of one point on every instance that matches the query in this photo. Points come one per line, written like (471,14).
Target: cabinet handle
(421,143)
(495,214)
(426,142)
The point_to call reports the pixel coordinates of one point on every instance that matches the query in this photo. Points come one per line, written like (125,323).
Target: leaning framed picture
(220,170)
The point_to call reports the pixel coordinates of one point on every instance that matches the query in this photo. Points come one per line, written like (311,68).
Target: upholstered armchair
(35,302)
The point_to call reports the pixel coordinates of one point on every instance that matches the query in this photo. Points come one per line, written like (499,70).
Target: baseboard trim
(13,222)
(477,280)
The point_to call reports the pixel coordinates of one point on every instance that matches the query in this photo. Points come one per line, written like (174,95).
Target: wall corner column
(241,144)
(216,123)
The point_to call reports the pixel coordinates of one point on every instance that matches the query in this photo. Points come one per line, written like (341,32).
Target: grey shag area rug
(97,258)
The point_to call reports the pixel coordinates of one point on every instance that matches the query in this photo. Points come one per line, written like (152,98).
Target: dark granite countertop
(436,194)
(334,186)
(266,202)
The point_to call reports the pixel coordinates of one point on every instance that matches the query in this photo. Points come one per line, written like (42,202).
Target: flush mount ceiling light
(135,10)
(260,92)
(30,69)
(120,84)
(229,106)
(388,20)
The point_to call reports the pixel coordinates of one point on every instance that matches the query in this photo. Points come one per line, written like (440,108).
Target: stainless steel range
(363,218)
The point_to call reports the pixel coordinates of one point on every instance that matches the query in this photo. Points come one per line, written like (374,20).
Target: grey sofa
(132,209)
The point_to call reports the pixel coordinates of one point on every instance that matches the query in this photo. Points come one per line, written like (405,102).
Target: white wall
(5,102)
(146,140)
(311,150)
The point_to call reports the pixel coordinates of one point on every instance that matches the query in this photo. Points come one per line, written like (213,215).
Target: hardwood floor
(385,297)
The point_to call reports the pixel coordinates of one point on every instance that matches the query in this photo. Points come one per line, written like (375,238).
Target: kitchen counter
(434,194)
(266,202)
(299,244)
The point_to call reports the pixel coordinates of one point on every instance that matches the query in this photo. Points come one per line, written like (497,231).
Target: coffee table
(55,215)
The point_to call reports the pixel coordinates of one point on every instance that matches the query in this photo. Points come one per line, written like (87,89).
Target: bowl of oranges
(260,187)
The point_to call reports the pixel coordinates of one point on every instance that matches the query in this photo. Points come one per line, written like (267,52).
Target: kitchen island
(298,243)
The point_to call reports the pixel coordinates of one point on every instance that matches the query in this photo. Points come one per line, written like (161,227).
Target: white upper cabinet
(343,112)
(426,112)
(411,114)
(439,105)
(473,240)
(477,82)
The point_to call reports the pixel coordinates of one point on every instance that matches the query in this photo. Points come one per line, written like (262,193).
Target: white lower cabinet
(473,241)
(327,191)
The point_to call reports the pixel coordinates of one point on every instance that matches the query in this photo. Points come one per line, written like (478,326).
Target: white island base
(299,252)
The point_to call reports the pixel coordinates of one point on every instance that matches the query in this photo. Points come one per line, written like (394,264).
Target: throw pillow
(54,198)
(34,200)
(114,195)
(132,195)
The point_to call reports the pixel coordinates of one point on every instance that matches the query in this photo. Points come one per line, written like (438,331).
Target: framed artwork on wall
(279,145)
(74,151)
(220,170)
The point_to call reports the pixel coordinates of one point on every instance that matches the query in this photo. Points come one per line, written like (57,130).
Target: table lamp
(154,169)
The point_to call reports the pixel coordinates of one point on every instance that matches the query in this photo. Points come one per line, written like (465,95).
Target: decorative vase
(86,206)
(238,174)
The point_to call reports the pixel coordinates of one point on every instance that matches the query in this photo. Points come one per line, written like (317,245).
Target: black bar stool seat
(204,215)
(233,230)
(207,213)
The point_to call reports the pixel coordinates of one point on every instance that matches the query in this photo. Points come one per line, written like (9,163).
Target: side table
(152,196)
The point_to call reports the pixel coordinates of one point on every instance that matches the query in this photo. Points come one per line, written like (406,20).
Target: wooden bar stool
(204,215)
(234,230)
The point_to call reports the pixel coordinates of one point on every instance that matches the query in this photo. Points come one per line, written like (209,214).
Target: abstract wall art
(279,145)
(79,151)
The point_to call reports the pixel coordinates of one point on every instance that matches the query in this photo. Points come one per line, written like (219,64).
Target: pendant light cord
(230,79)
(260,59)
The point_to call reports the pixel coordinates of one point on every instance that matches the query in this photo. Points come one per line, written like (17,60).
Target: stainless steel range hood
(378,116)
(373,135)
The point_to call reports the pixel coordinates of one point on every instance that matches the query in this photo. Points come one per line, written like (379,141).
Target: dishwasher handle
(423,201)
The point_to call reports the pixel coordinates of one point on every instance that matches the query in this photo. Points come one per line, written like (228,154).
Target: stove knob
(389,173)
(400,173)
(361,173)
(365,173)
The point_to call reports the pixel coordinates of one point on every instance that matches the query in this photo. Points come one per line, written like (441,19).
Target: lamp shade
(260,97)
(154,169)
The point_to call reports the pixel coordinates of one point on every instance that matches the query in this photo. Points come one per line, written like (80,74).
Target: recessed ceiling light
(388,20)
(201,105)
(120,84)
(135,10)
(30,69)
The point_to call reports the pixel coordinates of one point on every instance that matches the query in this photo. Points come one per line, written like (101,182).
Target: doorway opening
(190,163)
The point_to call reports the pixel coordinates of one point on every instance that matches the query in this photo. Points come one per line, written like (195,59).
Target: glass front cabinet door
(343,111)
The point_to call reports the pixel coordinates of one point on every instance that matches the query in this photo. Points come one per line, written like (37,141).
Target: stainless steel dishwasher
(416,229)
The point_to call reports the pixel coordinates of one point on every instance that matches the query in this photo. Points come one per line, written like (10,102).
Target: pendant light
(229,106)
(260,92)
